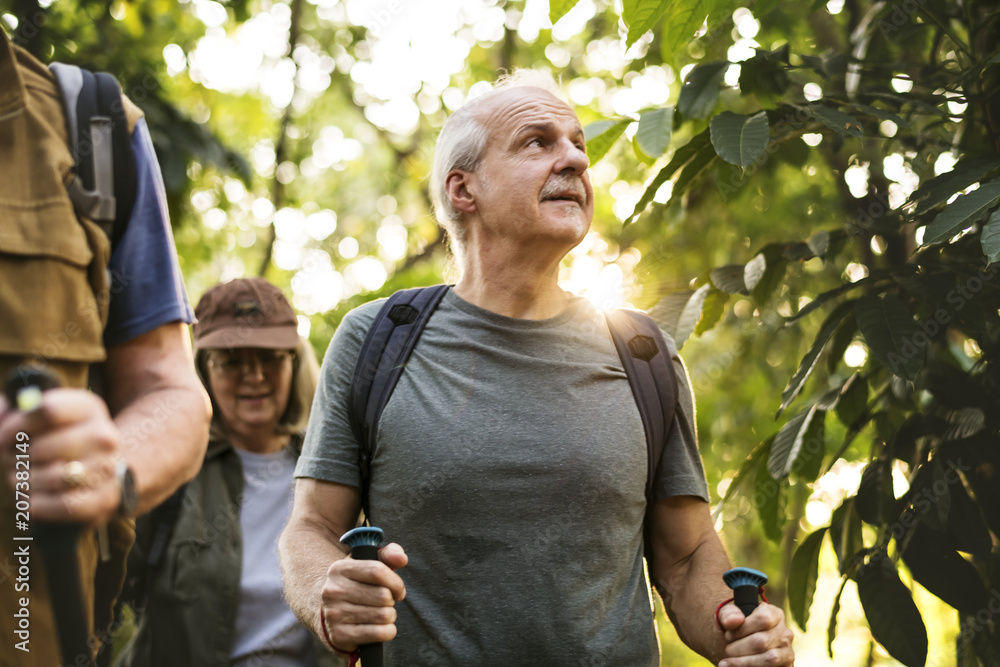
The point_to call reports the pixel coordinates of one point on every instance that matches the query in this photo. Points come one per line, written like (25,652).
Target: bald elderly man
(510,465)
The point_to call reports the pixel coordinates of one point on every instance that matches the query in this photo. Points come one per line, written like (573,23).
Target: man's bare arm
(161,409)
(689,560)
(356,596)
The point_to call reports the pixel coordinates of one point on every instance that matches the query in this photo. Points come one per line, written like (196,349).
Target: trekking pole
(746,584)
(363,543)
(23,388)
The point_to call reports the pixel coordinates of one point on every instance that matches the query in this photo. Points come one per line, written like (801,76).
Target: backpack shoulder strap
(650,370)
(104,186)
(384,352)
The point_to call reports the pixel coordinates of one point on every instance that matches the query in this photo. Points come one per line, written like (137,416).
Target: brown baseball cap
(247,312)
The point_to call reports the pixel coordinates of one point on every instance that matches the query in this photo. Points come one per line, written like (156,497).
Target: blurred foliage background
(753,162)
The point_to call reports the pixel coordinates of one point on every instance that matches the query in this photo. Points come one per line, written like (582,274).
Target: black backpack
(104,184)
(397,328)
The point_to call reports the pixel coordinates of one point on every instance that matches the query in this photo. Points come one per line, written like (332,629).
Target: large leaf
(803,576)
(602,135)
(843,124)
(769,498)
(874,497)
(942,571)
(774,272)
(831,629)
(701,90)
(853,400)
(560,8)
(845,534)
(679,313)
(740,139)
(798,443)
(892,615)
(842,339)
(682,19)
(729,278)
(683,155)
(991,238)
(754,271)
(640,16)
(749,468)
(891,334)
(655,127)
(941,188)
(712,311)
(812,356)
(964,212)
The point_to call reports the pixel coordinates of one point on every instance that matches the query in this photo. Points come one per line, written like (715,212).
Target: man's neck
(512,288)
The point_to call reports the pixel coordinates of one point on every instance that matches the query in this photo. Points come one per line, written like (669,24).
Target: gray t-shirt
(266,632)
(511,466)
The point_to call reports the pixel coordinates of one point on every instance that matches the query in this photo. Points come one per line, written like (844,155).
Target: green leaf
(678,313)
(892,616)
(740,139)
(875,492)
(773,273)
(990,238)
(701,90)
(754,271)
(831,628)
(640,16)
(843,124)
(697,166)
(749,467)
(682,156)
(891,334)
(941,188)
(797,444)
(602,135)
(729,278)
(845,534)
(842,339)
(853,400)
(769,497)
(803,576)
(682,20)
(943,572)
(559,9)
(711,312)
(808,363)
(819,243)
(764,75)
(964,212)
(655,127)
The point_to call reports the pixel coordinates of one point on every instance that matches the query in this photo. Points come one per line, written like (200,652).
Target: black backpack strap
(103,189)
(387,346)
(650,370)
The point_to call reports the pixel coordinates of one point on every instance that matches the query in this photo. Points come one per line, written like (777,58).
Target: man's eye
(535,142)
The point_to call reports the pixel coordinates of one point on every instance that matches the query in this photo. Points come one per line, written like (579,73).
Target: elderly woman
(208,584)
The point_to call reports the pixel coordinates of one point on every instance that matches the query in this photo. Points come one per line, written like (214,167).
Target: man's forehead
(525,105)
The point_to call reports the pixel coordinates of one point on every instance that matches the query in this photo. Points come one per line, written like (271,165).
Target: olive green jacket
(190,614)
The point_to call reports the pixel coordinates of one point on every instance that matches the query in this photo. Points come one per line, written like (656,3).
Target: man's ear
(457,187)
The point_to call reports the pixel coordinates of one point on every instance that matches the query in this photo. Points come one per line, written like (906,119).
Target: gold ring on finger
(73,474)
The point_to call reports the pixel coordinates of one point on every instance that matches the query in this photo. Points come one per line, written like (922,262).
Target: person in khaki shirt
(92,461)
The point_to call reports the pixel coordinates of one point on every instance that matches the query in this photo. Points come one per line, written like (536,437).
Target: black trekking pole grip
(363,543)
(57,541)
(746,585)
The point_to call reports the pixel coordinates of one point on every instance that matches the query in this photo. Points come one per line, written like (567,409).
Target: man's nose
(572,157)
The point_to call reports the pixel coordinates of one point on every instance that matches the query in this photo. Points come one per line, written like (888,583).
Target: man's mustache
(563,184)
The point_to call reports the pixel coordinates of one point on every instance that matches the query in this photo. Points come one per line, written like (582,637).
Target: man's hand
(358,599)
(73,448)
(759,640)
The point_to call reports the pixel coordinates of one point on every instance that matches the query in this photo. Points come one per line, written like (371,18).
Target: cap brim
(280,337)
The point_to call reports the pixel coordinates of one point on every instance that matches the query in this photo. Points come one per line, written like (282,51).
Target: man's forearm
(306,553)
(691,591)
(164,435)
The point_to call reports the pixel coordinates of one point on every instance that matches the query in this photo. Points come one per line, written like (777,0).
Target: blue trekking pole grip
(363,543)
(746,584)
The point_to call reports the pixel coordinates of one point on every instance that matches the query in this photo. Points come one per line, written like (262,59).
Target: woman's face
(251,387)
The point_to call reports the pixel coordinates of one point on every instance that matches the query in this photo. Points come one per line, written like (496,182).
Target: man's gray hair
(462,140)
